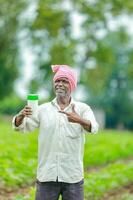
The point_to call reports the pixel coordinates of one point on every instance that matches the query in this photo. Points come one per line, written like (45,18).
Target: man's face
(62,87)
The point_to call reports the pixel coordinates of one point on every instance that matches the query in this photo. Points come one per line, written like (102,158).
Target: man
(62,124)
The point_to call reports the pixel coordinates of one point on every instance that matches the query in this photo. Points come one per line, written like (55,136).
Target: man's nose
(60,82)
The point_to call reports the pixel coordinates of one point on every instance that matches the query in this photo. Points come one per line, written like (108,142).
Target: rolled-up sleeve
(28,124)
(89,115)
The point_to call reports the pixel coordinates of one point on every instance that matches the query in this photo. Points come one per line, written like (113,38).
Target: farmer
(62,124)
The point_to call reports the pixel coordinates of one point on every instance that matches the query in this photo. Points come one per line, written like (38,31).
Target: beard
(60,92)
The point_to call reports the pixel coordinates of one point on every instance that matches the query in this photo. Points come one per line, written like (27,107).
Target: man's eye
(64,81)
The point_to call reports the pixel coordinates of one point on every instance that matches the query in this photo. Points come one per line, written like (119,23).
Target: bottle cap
(32,97)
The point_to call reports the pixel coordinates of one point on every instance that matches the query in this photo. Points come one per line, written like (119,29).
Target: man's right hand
(25,112)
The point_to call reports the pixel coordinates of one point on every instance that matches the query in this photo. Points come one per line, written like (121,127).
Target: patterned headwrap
(64,71)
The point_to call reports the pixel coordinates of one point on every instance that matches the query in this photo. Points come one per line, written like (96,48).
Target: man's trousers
(52,190)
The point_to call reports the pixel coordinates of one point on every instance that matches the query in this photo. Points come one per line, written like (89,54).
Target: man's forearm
(86,124)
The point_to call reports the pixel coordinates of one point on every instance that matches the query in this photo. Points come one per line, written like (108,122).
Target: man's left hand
(72,116)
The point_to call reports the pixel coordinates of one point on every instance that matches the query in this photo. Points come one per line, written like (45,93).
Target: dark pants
(52,190)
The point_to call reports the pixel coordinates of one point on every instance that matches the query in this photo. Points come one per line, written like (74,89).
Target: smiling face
(62,87)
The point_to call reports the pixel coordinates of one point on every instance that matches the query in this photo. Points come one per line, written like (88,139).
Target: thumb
(73,108)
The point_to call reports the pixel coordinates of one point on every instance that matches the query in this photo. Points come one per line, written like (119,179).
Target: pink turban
(64,71)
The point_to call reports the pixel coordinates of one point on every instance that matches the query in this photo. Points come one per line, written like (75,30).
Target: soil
(117,194)
(9,194)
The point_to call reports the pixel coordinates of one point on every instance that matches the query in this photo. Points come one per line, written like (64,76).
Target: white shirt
(60,142)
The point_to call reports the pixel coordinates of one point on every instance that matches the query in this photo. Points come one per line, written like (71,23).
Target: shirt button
(61,123)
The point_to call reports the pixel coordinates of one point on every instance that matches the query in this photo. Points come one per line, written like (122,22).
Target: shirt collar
(54,102)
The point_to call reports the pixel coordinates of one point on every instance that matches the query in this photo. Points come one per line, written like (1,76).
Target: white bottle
(32,101)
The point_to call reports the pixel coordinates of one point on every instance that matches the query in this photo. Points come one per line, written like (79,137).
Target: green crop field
(108,164)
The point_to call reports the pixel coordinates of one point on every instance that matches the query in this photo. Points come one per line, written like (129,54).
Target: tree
(9,26)
(113,86)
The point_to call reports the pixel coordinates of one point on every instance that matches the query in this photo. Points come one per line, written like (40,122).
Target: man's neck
(64,101)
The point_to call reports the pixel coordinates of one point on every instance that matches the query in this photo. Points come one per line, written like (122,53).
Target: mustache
(57,87)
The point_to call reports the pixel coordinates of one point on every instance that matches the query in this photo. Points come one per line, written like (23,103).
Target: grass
(126,196)
(107,146)
(18,157)
(113,176)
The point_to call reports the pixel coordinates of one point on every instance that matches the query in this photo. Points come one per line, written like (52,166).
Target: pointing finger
(73,108)
(63,112)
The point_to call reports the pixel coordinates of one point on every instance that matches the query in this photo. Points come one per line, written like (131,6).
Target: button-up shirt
(60,142)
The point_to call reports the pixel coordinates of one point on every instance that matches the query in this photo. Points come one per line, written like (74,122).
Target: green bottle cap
(32,97)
